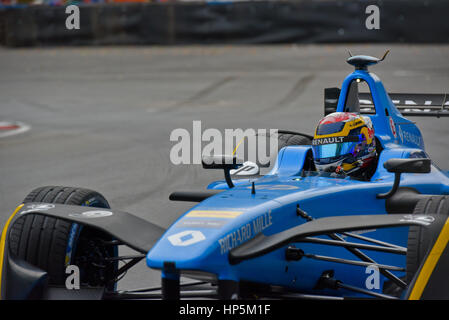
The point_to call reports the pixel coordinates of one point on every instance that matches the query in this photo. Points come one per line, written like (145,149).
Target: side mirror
(412,165)
(227,163)
(399,166)
(221,162)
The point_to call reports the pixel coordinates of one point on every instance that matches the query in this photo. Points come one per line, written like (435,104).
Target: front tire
(52,244)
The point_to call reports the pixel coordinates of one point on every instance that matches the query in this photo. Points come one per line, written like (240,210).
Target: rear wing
(409,104)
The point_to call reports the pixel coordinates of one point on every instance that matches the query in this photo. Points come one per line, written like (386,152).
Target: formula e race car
(295,232)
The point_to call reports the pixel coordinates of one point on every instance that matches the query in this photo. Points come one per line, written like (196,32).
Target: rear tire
(421,239)
(50,243)
(288,139)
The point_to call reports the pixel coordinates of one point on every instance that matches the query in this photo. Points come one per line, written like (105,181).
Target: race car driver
(344,143)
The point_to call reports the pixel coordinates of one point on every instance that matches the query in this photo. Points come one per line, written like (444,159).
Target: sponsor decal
(317,142)
(186,238)
(92,214)
(409,137)
(355,124)
(38,207)
(245,232)
(393,128)
(401,134)
(201,223)
(213,214)
(424,220)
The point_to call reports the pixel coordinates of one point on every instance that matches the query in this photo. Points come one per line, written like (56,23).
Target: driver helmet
(344,143)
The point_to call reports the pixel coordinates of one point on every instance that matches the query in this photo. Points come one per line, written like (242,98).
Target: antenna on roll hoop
(385,55)
(362,62)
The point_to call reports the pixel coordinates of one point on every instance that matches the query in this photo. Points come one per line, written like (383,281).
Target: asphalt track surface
(101,117)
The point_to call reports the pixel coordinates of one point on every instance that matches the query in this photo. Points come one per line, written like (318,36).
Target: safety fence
(247,22)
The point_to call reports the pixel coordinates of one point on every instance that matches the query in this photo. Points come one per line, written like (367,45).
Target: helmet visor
(334,150)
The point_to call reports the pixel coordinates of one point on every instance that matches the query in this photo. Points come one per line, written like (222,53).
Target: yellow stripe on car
(213,214)
(3,244)
(430,263)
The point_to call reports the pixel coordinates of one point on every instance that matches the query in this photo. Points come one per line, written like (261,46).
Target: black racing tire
(45,241)
(421,239)
(288,139)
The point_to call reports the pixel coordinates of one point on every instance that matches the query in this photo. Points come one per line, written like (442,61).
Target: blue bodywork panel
(201,238)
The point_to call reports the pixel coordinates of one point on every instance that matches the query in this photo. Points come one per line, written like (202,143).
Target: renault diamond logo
(186,238)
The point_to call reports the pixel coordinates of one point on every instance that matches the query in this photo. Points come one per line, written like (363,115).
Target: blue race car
(299,231)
